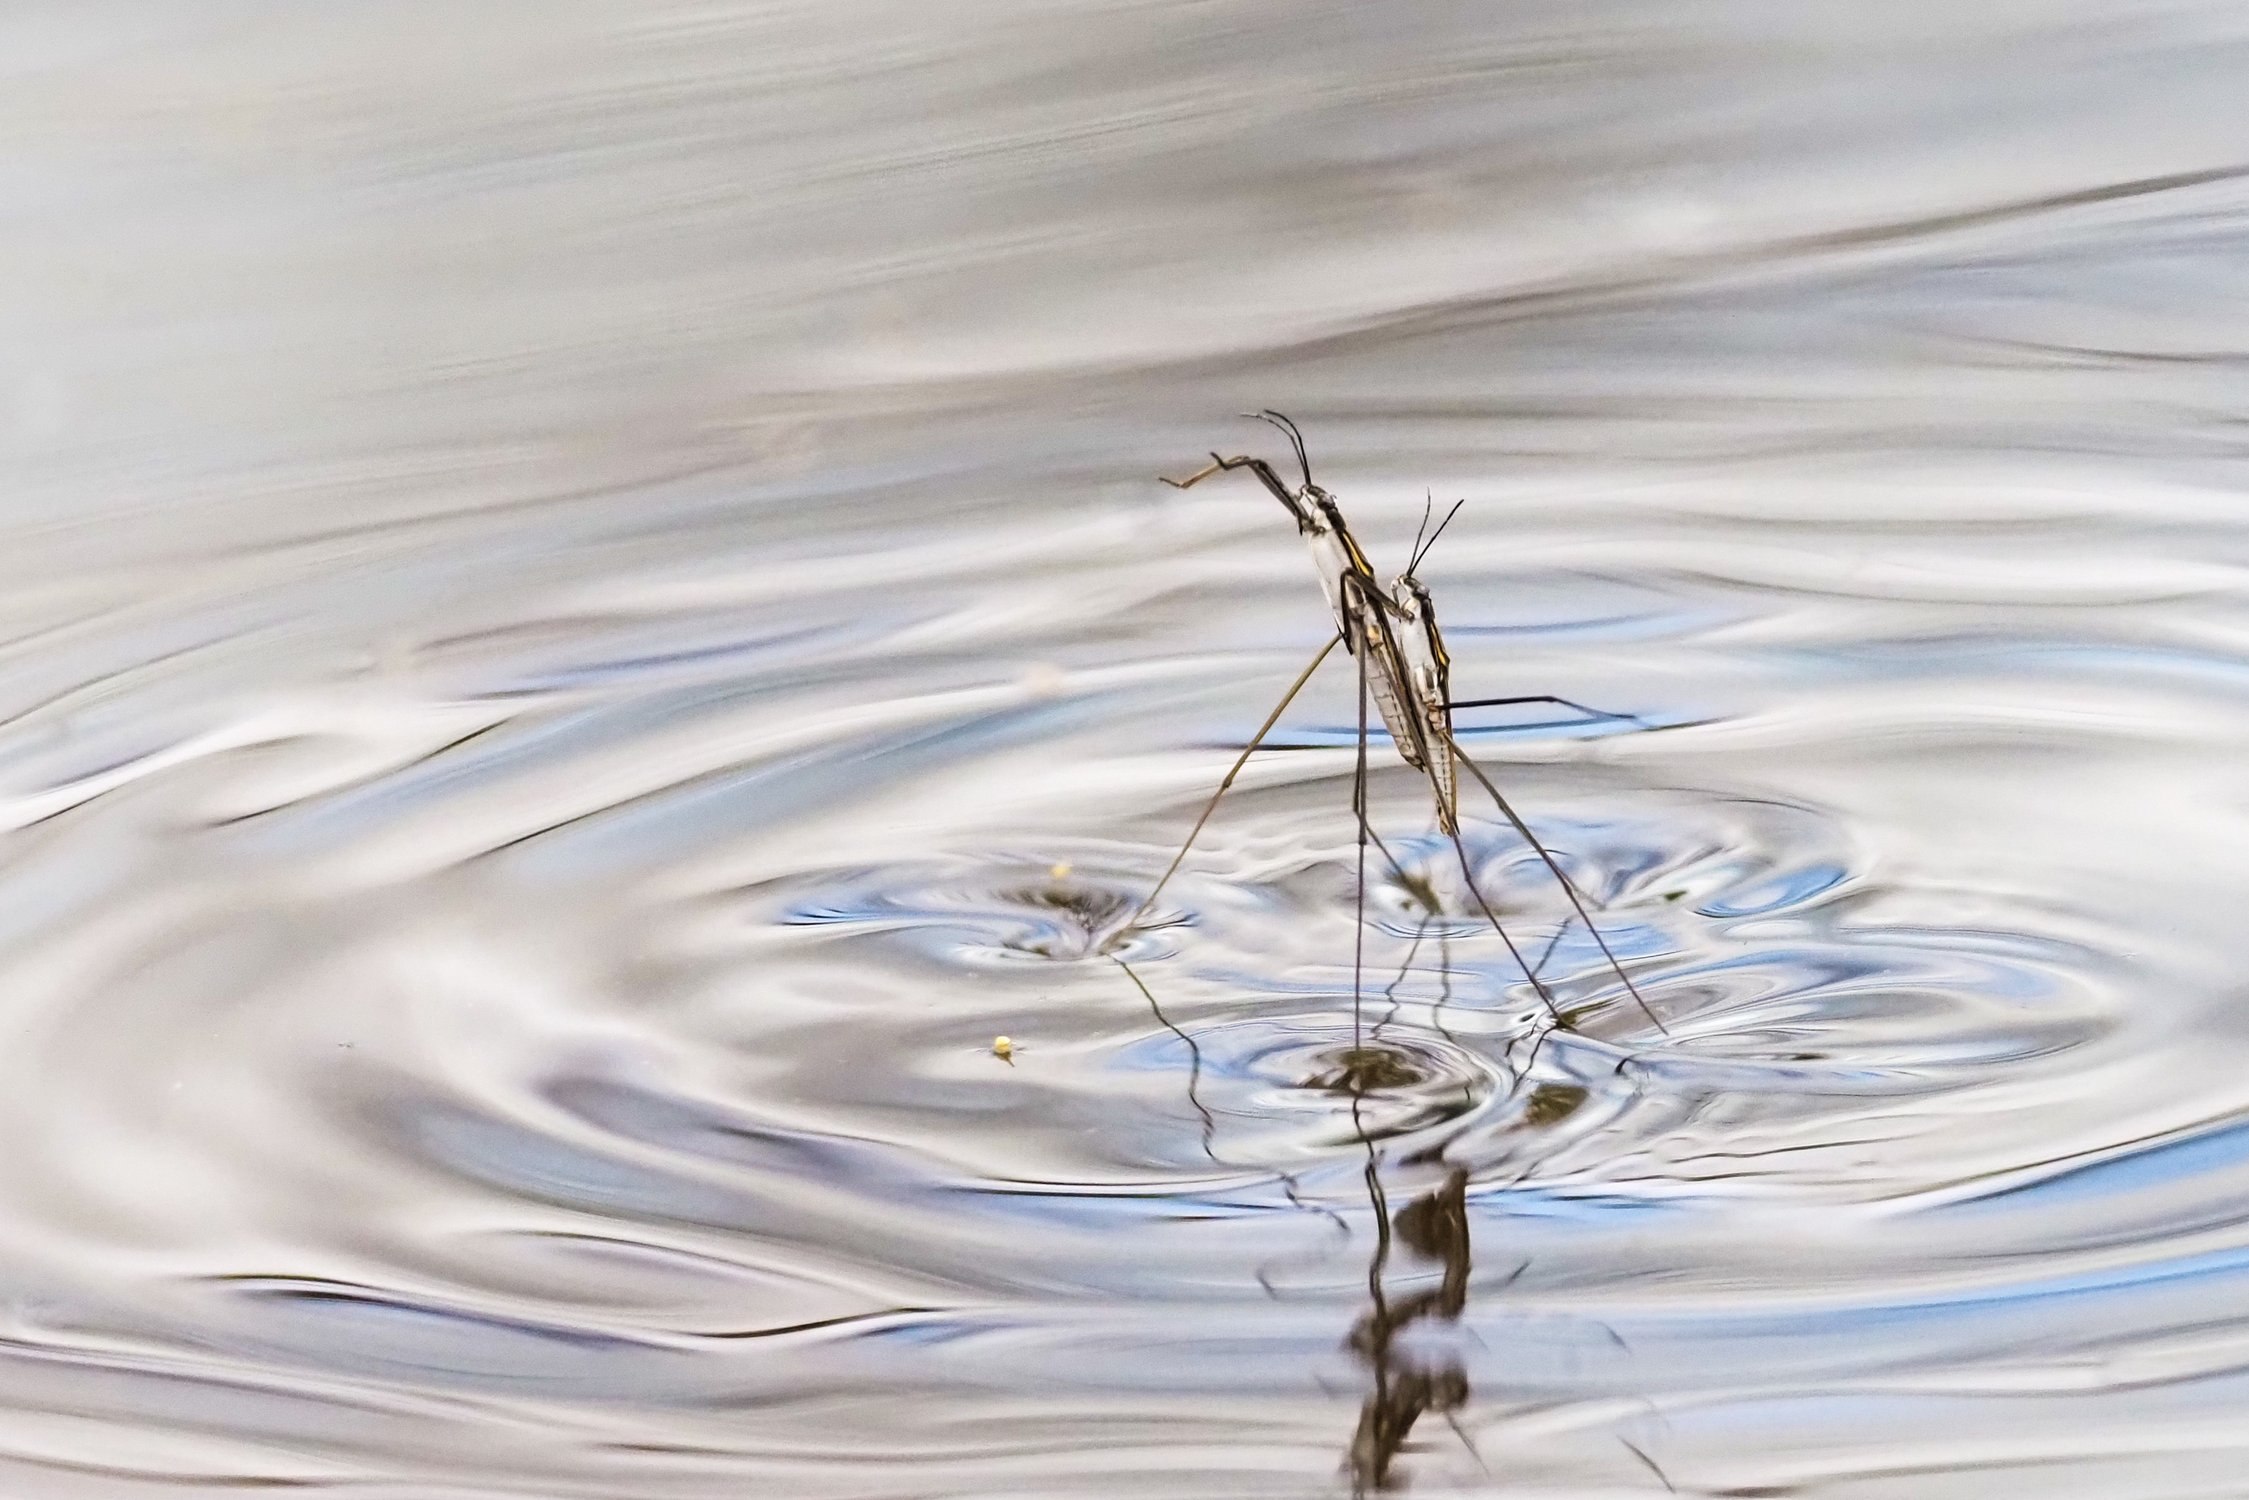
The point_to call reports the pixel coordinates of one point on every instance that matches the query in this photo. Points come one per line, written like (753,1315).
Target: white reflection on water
(573,572)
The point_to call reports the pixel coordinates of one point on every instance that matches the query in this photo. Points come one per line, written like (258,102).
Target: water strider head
(1346,577)
(1421,643)
(1316,513)
(1314,509)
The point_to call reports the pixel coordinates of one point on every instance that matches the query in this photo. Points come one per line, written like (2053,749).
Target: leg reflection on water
(1434,1227)
(1413,1378)
(1428,1236)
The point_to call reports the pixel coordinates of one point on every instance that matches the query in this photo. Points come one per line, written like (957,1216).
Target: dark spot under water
(1363,1070)
(1552,1103)
(1084,914)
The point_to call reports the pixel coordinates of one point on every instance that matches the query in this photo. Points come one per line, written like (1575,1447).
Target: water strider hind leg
(1569,888)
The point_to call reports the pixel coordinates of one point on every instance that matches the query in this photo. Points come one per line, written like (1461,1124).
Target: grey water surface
(589,619)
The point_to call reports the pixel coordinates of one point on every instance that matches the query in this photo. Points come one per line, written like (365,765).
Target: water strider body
(1426,668)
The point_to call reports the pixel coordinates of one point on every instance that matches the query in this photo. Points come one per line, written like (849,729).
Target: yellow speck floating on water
(1003,1049)
(1058,872)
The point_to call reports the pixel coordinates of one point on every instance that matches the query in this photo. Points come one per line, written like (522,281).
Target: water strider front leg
(1232,771)
(1264,471)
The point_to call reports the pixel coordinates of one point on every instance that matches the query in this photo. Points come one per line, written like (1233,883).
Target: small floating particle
(1058,872)
(1004,1050)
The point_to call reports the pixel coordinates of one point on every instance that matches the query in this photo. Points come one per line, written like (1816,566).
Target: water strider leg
(1468,874)
(1233,771)
(1653,1467)
(1568,888)
(1552,943)
(1390,991)
(1194,1055)
(1397,869)
(1359,810)
(1585,709)
(1257,466)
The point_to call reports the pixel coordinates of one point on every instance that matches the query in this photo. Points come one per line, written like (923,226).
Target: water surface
(589,620)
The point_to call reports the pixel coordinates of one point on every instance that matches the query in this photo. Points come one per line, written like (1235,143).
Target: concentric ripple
(1771,983)
(950,912)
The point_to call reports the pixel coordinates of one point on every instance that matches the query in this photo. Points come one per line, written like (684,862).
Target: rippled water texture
(589,620)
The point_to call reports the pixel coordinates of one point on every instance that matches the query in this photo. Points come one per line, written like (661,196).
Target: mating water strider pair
(1407,673)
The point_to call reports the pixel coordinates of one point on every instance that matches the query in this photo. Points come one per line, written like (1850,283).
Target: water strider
(1405,669)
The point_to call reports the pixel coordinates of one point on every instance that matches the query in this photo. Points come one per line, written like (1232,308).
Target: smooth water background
(588,618)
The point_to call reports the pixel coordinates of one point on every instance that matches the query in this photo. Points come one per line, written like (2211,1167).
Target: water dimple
(1082,917)
(1356,1071)
(1289,1086)
(964,915)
